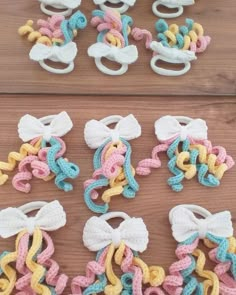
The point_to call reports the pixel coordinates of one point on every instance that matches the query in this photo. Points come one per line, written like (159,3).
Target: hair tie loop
(171,4)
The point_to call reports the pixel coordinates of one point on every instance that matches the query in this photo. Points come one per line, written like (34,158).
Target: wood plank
(154,200)
(213,73)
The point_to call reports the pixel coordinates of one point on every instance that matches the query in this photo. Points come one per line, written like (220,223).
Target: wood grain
(154,200)
(213,73)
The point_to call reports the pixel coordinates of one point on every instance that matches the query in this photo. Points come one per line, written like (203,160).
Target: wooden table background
(207,91)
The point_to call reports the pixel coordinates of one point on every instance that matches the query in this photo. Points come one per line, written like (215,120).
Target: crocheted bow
(65,54)
(128,2)
(50,217)
(97,133)
(30,127)
(125,55)
(177,2)
(72,4)
(99,234)
(168,127)
(172,53)
(185,224)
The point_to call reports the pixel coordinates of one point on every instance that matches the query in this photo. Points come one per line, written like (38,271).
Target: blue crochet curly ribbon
(76,21)
(127,283)
(204,177)
(162,26)
(60,167)
(192,286)
(222,253)
(129,190)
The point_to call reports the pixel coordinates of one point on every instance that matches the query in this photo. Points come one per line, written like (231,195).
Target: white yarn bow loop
(30,127)
(65,54)
(168,127)
(174,54)
(97,133)
(99,234)
(125,55)
(185,224)
(49,218)
(72,4)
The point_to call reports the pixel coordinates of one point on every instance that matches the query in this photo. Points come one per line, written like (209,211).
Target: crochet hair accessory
(121,244)
(216,232)
(112,160)
(54,40)
(171,4)
(190,152)
(175,45)
(30,269)
(112,41)
(42,157)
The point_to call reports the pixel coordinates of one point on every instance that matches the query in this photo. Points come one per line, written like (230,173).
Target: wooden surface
(213,73)
(153,201)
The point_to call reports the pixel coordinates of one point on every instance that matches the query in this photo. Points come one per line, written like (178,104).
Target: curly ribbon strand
(112,165)
(60,166)
(15,157)
(113,28)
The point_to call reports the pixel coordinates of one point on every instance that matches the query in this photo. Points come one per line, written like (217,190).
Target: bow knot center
(202,228)
(183,133)
(116,237)
(47,133)
(115,136)
(30,225)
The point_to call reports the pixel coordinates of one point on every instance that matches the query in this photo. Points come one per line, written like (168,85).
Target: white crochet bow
(30,127)
(65,54)
(173,54)
(72,4)
(176,2)
(128,2)
(185,224)
(168,127)
(99,234)
(125,55)
(97,133)
(49,218)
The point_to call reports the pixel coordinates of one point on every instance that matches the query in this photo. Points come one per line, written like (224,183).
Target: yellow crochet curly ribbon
(38,271)
(116,184)
(15,157)
(33,36)
(211,284)
(7,284)
(196,32)
(115,287)
(210,160)
(154,275)
(182,161)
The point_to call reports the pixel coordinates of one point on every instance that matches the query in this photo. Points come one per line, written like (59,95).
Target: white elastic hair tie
(165,72)
(122,70)
(32,206)
(116,214)
(66,70)
(111,119)
(121,9)
(47,119)
(166,15)
(183,119)
(66,12)
(194,208)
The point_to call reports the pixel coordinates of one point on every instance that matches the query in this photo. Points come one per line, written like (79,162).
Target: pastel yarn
(42,157)
(189,154)
(100,276)
(30,268)
(112,162)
